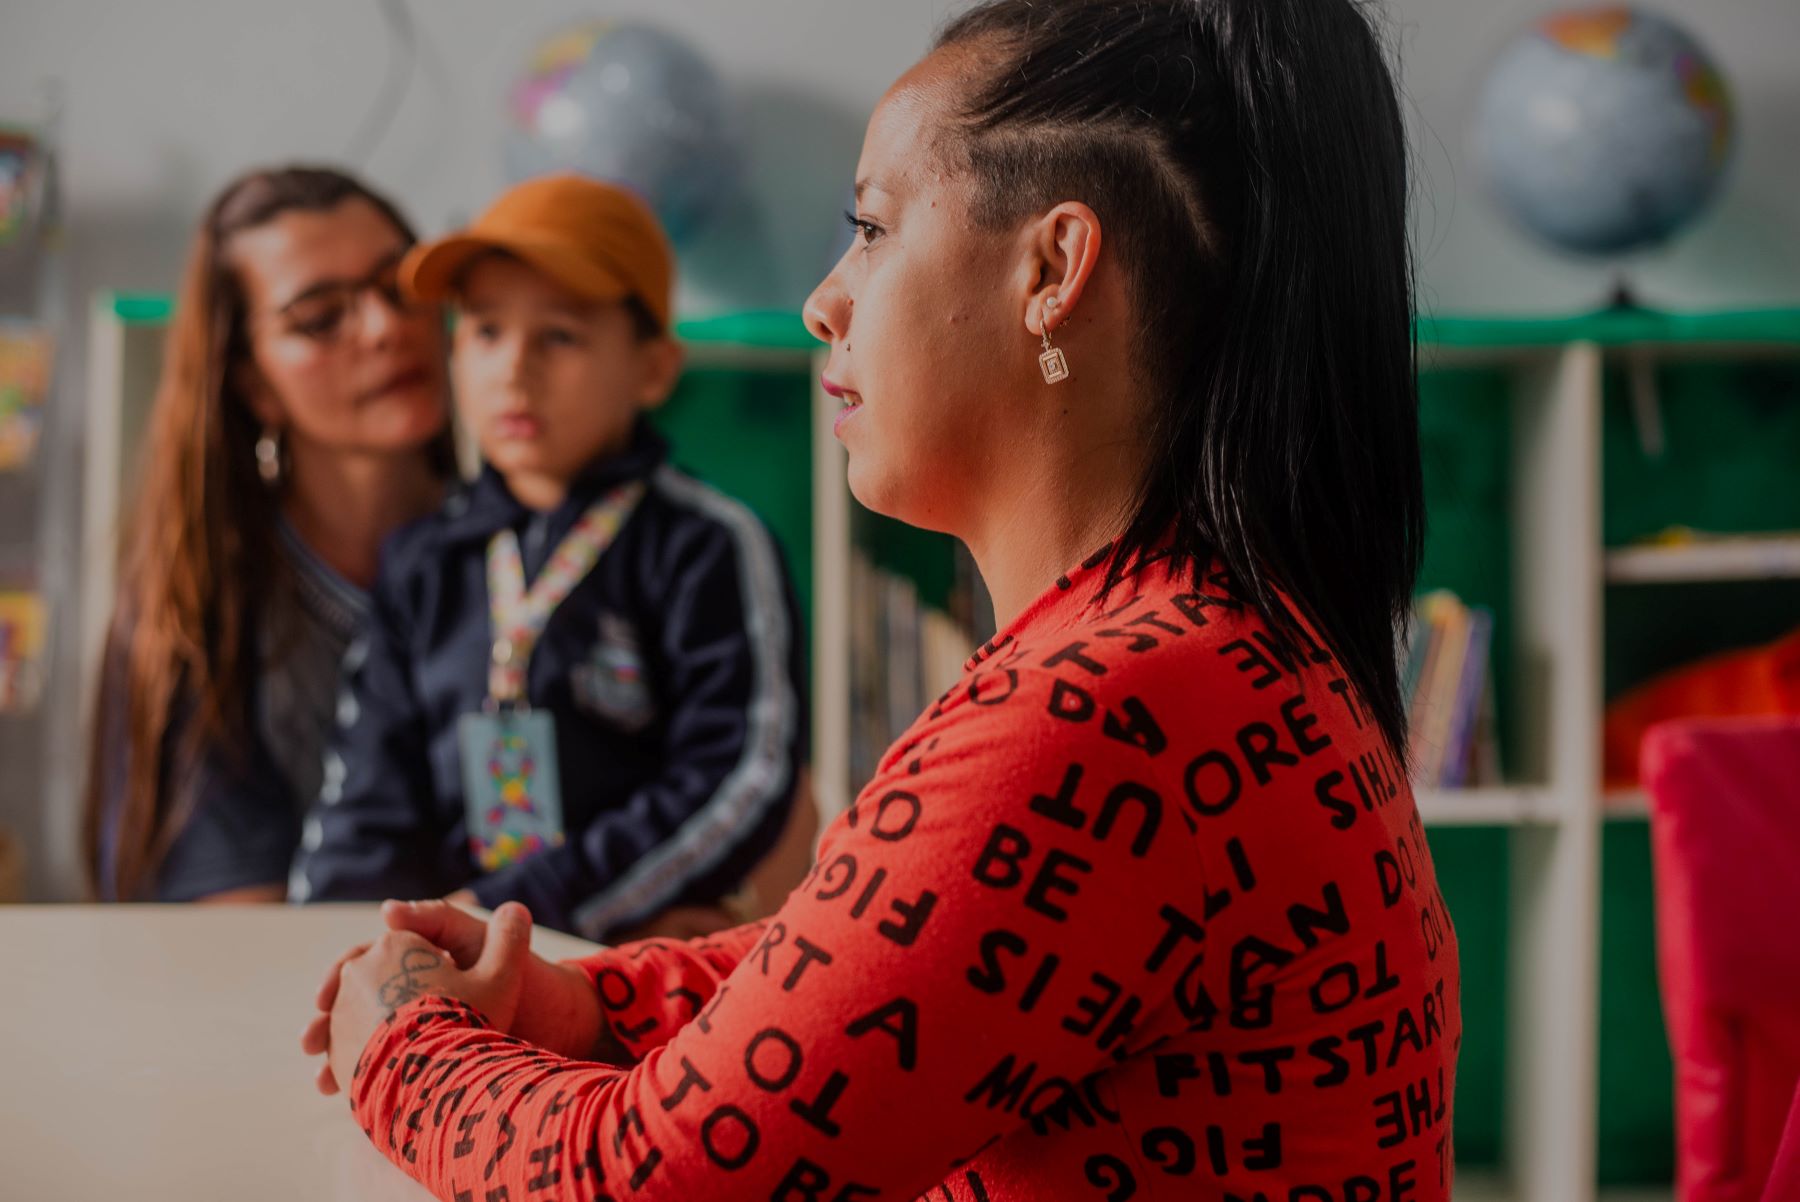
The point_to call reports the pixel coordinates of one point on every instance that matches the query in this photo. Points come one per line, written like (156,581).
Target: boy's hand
(402,966)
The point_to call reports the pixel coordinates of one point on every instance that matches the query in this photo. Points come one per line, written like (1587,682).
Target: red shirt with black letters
(1141,909)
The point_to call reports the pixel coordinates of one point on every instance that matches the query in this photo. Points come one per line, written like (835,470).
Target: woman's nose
(384,315)
(827,310)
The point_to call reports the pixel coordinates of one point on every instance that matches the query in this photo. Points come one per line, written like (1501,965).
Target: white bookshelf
(1552,1023)
(831,606)
(1503,805)
(1625,805)
(1773,558)
(1481,1187)
(124,359)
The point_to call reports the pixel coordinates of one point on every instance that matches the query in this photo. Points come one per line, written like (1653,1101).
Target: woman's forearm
(564,1015)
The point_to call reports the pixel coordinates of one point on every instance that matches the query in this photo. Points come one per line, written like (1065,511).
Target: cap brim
(430,272)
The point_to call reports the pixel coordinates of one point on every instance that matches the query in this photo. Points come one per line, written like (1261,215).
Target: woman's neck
(343,505)
(1070,487)
(1024,546)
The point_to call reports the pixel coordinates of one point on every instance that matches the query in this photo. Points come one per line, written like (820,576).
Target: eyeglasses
(328,311)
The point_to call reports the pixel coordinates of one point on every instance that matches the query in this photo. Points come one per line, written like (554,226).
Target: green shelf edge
(769,330)
(784,330)
(764,329)
(1614,327)
(142,308)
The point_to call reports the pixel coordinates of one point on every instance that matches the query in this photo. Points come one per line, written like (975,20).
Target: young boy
(582,685)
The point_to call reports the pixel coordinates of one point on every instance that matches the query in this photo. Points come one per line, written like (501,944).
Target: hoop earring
(268,457)
(1053,363)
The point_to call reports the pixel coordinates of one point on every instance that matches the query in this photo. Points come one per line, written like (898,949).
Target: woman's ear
(248,382)
(1063,250)
(662,360)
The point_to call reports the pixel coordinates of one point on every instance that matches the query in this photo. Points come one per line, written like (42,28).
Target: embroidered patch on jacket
(610,684)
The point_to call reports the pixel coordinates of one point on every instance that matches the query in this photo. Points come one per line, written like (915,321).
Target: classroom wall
(165,99)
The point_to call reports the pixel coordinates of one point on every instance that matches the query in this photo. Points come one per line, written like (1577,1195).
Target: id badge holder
(511,791)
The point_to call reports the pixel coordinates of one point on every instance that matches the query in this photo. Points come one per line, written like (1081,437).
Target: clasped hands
(431,948)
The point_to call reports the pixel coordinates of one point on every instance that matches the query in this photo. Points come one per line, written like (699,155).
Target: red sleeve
(967,936)
(651,989)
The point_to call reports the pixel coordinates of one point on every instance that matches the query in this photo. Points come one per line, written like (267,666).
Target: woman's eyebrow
(335,283)
(869,183)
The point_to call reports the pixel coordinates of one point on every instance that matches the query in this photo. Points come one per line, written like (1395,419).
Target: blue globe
(630,104)
(1604,129)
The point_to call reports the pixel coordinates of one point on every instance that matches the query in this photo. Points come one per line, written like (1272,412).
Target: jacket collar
(485,505)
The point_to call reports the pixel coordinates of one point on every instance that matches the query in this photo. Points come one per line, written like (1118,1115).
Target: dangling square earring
(1055,366)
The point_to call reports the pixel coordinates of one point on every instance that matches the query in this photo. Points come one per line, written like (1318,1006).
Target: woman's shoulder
(1178,664)
(1161,629)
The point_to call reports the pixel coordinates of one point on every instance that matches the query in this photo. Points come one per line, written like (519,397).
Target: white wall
(166,100)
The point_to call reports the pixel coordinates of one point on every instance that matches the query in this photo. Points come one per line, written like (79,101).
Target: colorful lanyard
(518,616)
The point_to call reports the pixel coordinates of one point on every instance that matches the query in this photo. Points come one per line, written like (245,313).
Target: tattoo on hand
(409,982)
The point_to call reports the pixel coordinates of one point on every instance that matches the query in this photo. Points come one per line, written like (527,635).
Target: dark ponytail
(1247,157)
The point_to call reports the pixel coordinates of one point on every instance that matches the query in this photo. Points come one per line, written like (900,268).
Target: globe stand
(1640,369)
(1623,296)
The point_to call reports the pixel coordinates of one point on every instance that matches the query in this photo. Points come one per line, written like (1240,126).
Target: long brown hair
(199,557)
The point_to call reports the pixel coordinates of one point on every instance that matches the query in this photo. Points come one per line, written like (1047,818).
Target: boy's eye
(487,331)
(559,337)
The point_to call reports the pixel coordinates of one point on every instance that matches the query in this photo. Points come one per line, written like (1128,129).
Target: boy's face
(547,380)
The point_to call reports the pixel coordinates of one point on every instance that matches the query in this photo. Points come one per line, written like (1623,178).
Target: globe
(633,105)
(1604,130)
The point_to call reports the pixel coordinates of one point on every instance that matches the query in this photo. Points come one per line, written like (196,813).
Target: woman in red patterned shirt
(1142,907)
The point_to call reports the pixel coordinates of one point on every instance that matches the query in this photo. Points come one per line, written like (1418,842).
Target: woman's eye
(487,331)
(560,338)
(868,231)
(317,323)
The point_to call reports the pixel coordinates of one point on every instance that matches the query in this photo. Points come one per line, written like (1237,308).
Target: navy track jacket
(677,772)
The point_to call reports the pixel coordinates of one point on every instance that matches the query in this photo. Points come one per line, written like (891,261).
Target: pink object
(1784,1178)
(1725,833)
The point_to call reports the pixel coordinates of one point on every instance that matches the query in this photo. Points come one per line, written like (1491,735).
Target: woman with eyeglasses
(300,419)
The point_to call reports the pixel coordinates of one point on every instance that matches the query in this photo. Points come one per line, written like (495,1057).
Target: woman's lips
(852,406)
(852,401)
(405,379)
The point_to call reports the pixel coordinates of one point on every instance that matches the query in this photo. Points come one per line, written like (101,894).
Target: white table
(152,1053)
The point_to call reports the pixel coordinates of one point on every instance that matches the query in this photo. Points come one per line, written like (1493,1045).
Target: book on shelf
(22,631)
(25,357)
(24,168)
(1448,690)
